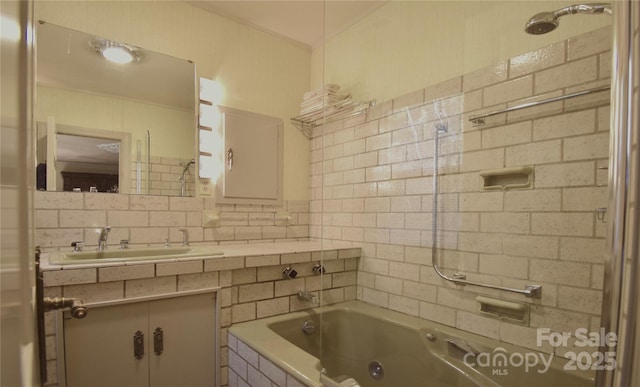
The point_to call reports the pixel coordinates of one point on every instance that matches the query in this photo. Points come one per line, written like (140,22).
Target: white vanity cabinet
(162,342)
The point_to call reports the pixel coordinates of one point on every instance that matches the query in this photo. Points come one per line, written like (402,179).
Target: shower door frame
(620,312)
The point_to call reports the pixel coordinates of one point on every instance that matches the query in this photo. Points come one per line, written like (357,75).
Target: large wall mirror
(104,126)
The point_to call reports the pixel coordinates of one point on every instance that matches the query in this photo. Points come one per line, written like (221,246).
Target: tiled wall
(64,217)
(164,178)
(372,184)
(252,287)
(247,368)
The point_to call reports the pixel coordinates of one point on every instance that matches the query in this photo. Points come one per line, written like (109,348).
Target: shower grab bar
(479,119)
(531,291)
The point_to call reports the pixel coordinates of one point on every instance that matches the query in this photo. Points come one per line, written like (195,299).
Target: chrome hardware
(308,327)
(138,345)
(376,370)
(431,337)
(460,345)
(77,246)
(306,295)
(230,158)
(289,273)
(158,341)
(102,239)
(533,291)
(459,276)
(442,128)
(124,244)
(601,214)
(318,269)
(75,305)
(185,236)
(479,120)
(166,242)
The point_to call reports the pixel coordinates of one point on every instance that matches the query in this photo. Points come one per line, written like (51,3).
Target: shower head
(544,22)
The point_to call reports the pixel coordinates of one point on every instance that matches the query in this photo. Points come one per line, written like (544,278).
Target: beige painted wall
(407,45)
(258,71)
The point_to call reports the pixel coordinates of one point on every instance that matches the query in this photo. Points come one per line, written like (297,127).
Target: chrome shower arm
(590,8)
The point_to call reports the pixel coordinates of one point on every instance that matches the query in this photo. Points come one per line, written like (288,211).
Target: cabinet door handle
(138,345)
(230,158)
(158,341)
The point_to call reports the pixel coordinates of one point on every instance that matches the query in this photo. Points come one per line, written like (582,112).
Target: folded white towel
(329,88)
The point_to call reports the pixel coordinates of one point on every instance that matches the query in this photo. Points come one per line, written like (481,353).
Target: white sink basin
(130,255)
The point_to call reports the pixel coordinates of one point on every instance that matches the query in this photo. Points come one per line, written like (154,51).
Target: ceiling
(304,21)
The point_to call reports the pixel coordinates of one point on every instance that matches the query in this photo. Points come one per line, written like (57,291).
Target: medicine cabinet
(252,158)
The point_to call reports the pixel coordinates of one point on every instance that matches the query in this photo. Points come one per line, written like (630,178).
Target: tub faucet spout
(460,345)
(308,296)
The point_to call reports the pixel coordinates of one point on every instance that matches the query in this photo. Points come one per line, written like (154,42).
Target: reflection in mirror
(148,103)
(87,163)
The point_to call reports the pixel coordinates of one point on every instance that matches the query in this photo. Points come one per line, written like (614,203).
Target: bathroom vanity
(155,342)
(170,314)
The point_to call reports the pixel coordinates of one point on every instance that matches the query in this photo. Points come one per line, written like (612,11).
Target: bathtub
(354,341)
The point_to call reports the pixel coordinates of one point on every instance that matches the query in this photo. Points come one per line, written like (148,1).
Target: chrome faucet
(460,345)
(102,240)
(185,236)
(308,296)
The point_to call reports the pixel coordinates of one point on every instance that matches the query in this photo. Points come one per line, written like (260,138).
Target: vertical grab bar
(532,291)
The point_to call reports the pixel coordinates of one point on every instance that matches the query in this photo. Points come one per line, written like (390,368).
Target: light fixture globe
(117,52)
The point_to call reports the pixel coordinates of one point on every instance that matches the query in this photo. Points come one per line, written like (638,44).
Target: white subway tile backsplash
(504,265)
(573,73)
(150,286)
(570,224)
(506,135)
(564,273)
(583,249)
(586,147)
(120,273)
(69,277)
(485,77)
(531,246)
(565,175)
(537,60)
(589,43)
(46,218)
(564,125)
(534,153)
(508,91)
(83,218)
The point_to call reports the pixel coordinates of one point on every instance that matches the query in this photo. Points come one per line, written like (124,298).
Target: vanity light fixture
(117,52)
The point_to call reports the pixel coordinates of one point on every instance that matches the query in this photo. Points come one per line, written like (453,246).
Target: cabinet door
(99,348)
(253,157)
(189,347)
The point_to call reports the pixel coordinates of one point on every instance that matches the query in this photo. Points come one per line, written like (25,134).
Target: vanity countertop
(251,255)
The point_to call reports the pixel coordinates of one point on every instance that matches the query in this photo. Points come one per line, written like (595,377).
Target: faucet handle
(166,242)
(77,246)
(124,244)
(185,235)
